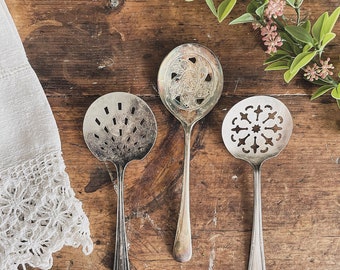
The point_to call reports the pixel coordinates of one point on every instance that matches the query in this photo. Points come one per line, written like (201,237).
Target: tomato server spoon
(256,129)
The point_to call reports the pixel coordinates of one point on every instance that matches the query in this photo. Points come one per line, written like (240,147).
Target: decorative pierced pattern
(256,129)
(39,213)
(191,82)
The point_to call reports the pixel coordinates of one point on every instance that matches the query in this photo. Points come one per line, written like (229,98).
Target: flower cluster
(270,36)
(315,72)
(295,46)
(292,45)
(275,8)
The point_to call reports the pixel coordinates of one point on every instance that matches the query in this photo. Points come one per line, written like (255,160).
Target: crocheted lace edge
(56,213)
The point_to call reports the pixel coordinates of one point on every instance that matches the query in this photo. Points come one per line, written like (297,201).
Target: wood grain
(81,50)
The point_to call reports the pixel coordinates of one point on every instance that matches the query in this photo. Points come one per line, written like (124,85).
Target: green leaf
(332,19)
(211,5)
(252,6)
(288,43)
(298,3)
(260,10)
(327,38)
(297,49)
(301,60)
(307,47)
(285,37)
(299,33)
(282,52)
(336,92)
(224,9)
(278,65)
(245,18)
(318,25)
(288,75)
(287,47)
(255,4)
(322,90)
(307,25)
(320,81)
(291,3)
(275,58)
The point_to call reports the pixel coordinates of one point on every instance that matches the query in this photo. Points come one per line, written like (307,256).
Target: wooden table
(81,50)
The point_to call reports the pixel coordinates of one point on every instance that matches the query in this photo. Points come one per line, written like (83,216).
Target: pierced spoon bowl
(254,130)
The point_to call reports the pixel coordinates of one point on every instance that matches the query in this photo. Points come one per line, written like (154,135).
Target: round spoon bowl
(257,128)
(120,127)
(190,82)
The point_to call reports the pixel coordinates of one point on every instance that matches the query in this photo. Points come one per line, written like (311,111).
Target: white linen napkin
(39,213)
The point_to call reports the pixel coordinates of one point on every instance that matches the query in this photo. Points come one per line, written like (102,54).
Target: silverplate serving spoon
(120,127)
(190,82)
(256,129)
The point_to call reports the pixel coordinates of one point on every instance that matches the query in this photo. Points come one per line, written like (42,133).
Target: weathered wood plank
(82,49)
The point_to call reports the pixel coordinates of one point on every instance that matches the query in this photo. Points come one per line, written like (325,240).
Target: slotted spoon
(256,129)
(120,127)
(190,82)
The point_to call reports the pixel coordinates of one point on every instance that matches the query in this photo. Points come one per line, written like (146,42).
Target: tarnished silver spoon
(190,82)
(120,127)
(256,129)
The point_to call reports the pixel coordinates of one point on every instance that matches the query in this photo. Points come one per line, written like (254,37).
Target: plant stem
(297,10)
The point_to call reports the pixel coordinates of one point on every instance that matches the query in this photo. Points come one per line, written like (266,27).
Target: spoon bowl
(120,127)
(254,130)
(190,82)
(257,128)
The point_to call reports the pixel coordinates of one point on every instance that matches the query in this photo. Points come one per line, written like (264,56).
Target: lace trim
(39,213)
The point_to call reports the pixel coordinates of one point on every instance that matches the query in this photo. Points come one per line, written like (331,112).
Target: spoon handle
(121,260)
(256,258)
(182,249)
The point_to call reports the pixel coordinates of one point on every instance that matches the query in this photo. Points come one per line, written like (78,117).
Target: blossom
(275,8)
(316,72)
(324,70)
(312,72)
(269,31)
(271,38)
(272,43)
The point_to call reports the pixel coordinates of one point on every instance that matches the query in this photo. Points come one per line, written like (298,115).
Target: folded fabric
(39,213)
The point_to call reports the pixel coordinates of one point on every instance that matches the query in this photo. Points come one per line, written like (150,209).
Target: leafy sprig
(293,47)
